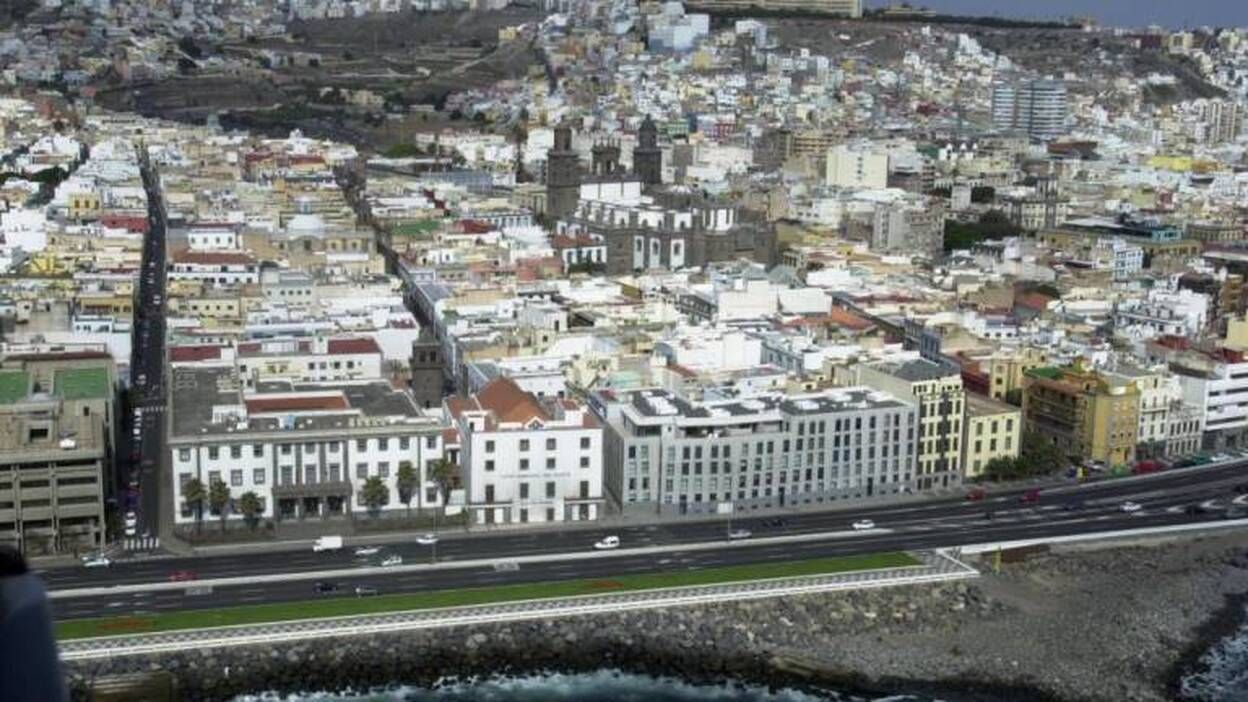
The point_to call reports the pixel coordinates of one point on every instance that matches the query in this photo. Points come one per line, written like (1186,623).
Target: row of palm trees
(374,494)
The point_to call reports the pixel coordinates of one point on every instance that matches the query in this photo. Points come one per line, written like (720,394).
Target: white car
(1130,507)
(427,539)
(738,534)
(367,551)
(96,562)
(607,543)
(863,525)
(392,561)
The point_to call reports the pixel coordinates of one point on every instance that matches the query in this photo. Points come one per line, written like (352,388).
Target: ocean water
(601,686)
(1221,673)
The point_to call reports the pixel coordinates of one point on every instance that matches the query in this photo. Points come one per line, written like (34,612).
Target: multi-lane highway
(1195,496)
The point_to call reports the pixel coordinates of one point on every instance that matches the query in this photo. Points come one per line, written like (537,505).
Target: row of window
(552,444)
(551,463)
(257,450)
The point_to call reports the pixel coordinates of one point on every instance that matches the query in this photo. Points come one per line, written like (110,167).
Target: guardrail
(939,568)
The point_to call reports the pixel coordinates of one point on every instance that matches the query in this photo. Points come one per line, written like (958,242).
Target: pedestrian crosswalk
(141,543)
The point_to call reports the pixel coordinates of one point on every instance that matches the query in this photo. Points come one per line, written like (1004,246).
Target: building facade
(938,393)
(670,455)
(994,430)
(1086,414)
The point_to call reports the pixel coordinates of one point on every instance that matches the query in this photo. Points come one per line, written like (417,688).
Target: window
(550,444)
(361,444)
(404,443)
(524,444)
(213,453)
(257,450)
(361,470)
(584,442)
(550,464)
(285,449)
(309,448)
(550,490)
(524,464)
(584,461)
(524,491)
(383,469)
(236,451)
(383,444)
(184,454)
(489,447)
(214,476)
(489,466)
(257,476)
(332,446)
(236,478)
(431,441)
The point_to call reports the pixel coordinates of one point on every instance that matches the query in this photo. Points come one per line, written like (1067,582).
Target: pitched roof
(187,354)
(509,403)
(360,345)
(311,403)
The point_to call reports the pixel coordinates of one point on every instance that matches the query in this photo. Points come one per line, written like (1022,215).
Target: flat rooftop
(662,403)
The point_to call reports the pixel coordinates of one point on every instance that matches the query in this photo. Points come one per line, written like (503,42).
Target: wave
(1221,674)
(600,686)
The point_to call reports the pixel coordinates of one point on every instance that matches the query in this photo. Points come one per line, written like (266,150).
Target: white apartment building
(1160,392)
(207,238)
(856,166)
(526,460)
(1217,383)
(314,359)
(214,267)
(672,455)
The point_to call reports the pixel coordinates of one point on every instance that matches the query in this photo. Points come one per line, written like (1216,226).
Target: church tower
(647,158)
(563,179)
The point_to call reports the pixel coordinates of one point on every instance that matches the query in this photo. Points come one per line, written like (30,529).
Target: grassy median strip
(345,606)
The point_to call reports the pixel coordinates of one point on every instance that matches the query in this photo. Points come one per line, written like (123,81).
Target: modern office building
(672,455)
(1037,108)
(56,422)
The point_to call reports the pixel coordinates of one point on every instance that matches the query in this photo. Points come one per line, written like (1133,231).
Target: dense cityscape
(597,330)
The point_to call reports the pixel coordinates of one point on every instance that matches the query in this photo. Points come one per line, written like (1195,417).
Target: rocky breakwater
(738,640)
(1086,625)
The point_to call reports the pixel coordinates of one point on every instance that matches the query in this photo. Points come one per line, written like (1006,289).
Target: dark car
(1073,506)
(323,587)
(976,495)
(1030,497)
(1194,509)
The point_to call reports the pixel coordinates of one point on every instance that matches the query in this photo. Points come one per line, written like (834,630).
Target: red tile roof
(308,403)
(509,403)
(345,346)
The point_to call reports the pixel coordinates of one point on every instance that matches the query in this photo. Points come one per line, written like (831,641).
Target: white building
(856,166)
(525,459)
(314,359)
(203,238)
(214,267)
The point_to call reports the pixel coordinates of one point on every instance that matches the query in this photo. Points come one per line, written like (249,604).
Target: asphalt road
(144,431)
(919,525)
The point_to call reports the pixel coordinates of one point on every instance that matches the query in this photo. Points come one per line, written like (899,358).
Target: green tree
(219,500)
(193,495)
(406,481)
(444,474)
(374,495)
(249,507)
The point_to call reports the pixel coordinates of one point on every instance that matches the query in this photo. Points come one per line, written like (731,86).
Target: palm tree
(374,495)
(444,474)
(406,481)
(249,506)
(219,500)
(193,494)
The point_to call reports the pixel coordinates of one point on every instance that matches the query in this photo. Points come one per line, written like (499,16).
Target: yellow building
(994,429)
(83,205)
(1006,369)
(1087,415)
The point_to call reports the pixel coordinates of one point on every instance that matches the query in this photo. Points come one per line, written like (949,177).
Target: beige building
(938,392)
(993,430)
